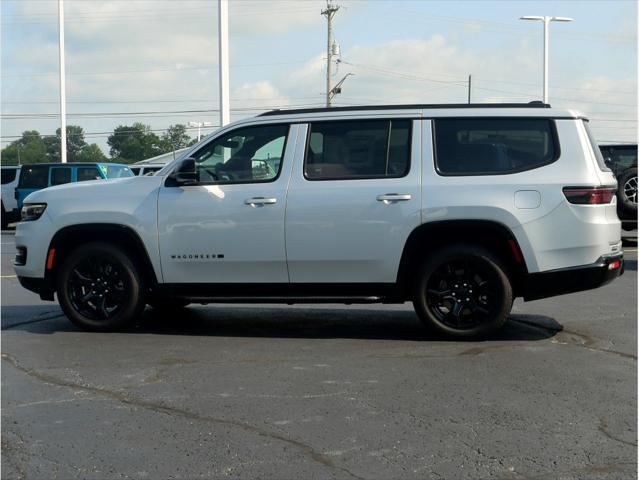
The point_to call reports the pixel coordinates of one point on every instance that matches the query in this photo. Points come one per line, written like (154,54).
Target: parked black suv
(622,160)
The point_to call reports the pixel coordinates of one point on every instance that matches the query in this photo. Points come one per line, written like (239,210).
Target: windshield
(116,171)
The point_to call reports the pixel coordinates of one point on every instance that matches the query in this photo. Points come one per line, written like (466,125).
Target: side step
(287,300)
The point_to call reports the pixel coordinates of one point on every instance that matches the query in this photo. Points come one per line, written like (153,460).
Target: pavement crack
(43,318)
(567,337)
(177,412)
(603,428)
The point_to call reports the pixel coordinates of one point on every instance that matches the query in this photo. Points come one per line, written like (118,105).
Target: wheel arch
(123,236)
(490,234)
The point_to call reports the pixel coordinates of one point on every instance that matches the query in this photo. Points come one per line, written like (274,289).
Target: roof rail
(533,104)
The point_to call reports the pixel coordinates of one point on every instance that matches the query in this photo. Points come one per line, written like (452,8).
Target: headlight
(32,211)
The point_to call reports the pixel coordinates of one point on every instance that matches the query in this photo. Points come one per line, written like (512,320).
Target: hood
(93,190)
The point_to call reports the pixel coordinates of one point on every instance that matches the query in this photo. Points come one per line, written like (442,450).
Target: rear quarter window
(493,146)
(8,175)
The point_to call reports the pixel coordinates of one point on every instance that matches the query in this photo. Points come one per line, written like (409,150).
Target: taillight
(589,195)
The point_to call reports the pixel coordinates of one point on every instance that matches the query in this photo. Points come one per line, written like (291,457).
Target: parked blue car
(42,175)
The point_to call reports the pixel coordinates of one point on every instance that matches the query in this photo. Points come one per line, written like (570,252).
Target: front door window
(247,155)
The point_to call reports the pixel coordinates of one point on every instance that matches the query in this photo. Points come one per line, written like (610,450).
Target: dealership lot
(321,392)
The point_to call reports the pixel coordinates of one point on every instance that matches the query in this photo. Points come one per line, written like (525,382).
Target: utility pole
(470,80)
(329,13)
(63,96)
(546,20)
(223,42)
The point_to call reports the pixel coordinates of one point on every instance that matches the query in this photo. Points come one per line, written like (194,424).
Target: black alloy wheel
(99,287)
(463,291)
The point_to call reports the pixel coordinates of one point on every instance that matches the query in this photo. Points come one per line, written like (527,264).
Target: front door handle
(260,201)
(394,197)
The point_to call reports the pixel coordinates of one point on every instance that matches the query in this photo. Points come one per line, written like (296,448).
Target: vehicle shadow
(283,322)
(630,265)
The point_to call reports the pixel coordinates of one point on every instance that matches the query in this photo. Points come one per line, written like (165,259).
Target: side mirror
(185,174)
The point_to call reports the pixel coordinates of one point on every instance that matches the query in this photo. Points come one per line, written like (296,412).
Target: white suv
(457,208)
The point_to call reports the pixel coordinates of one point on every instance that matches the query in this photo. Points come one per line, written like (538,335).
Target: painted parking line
(8,276)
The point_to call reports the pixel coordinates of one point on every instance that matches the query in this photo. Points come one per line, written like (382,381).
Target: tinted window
(88,173)
(492,146)
(60,176)
(621,156)
(246,155)
(116,171)
(8,175)
(135,170)
(34,177)
(351,150)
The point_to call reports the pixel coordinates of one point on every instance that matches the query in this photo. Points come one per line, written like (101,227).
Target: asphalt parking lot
(321,392)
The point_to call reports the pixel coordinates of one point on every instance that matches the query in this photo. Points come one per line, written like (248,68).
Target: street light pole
(223,42)
(546,20)
(63,96)
(199,126)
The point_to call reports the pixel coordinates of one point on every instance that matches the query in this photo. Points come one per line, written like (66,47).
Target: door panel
(226,233)
(342,231)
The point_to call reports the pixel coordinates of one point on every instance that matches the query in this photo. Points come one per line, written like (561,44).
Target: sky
(156,61)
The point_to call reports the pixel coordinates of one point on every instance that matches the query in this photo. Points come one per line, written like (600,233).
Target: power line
(29,115)
(153,70)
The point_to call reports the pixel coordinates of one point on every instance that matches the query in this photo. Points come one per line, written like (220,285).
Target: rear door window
(60,175)
(349,150)
(88,173)
(35,177)
(493,146)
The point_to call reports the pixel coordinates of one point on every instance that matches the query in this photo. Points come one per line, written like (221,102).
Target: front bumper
(573,279)
(41,286)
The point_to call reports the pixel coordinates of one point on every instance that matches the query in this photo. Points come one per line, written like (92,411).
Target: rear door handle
(394,197)
(260,201)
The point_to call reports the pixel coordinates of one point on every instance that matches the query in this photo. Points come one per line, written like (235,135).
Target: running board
(287,300)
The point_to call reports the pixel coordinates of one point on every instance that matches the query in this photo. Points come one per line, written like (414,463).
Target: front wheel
(100,288)
(463,291)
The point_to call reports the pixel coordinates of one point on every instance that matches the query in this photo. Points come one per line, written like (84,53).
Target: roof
(71,164)
(534,104)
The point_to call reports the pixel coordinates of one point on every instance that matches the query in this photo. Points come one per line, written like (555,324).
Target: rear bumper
(41,286)
(573,279)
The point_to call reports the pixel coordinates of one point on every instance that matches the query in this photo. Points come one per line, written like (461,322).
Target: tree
(30,148)
(175,138)
(91,153)
(131,143)
(75,144)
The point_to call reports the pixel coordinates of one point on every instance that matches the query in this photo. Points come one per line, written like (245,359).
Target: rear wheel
(463,291)
(100,288)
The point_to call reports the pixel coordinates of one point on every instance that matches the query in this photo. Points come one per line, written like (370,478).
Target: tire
(463,291)
(627,191)
(99,288)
